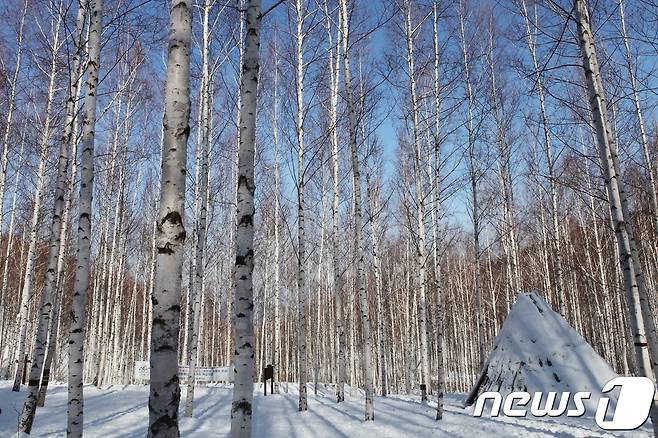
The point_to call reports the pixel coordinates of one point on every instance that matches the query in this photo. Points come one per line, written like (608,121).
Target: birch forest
(351,191)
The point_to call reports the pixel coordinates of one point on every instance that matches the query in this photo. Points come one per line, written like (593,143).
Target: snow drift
(537,350)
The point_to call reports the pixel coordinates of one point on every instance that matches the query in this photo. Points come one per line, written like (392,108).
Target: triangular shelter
(537,350)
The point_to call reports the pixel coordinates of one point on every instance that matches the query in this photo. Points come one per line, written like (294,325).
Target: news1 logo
(631,411)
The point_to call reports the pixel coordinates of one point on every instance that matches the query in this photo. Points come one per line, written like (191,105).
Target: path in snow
(119,411)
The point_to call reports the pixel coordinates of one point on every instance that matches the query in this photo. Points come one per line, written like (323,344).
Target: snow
(537,350)
(121,411)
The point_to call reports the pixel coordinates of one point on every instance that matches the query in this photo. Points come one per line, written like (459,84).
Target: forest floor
(121,411)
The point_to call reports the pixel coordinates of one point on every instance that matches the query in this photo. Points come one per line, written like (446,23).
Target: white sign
(183,373)
(201,374)
(222,374)
(142,370)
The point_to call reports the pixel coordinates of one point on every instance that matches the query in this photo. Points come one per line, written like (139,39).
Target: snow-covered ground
(119,411)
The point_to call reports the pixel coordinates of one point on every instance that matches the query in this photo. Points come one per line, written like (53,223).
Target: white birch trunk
(644,140)
(302,275)
(358,220)
(51,346)
(421,250)
(373,206)
(616,194)
(243,389)
(55,246)
(334,72)
(318,285)
(68,136)
(7,257)
(170,236)
(11,105)
(201,208)
(437,236)
(504,155)
(276,353)
(26,293)
(474,177)
(83,251)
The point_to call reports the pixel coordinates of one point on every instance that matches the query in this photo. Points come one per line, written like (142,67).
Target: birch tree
(11,106)
(170,235)
(436,210)
(276,351)
(550,162)
(420,203)
(27,290)
(243,391)
(615,188)
(373,207)
(644,139)
(502,122)
(4,168)
(69,141)
(83,250)
(302,275)
(45,311)
(358,218)
(473,177)
(201,208)
(334,81)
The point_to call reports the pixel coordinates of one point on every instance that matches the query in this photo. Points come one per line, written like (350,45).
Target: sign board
(142,370)
(222,374)
(201,374)
(184,372)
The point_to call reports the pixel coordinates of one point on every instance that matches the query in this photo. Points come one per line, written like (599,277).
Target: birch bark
(201,209)
(45,309)
(11,105)
(83,251)
(358,219)
(334,72)
(474,176)
(241,411)
(550,162)
(644,140)
(616,194)
(276,354)
(302,275)
(421,250)
(437,235)
(377,270)
(170,235)
(26,292)
(6,259)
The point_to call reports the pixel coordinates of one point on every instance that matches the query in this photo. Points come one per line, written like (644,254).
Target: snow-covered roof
(537,350)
